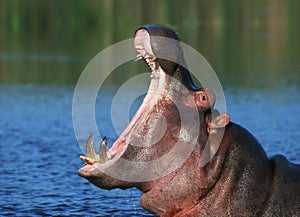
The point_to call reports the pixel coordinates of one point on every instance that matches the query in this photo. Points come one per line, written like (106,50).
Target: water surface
(40,158)
(40,154)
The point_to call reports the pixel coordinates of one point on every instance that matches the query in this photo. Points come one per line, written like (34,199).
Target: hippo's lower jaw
(97,166)
(94,171)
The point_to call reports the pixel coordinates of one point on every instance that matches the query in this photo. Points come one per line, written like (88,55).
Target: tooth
(153,58)
(88,160)
(146,56)
(102,152)
(138,57)
(90,151)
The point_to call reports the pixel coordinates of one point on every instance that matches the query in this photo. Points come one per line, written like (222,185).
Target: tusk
(92,157)
(90,151)
(102,151)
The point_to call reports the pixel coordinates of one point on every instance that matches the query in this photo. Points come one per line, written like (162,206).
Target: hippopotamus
(224,171)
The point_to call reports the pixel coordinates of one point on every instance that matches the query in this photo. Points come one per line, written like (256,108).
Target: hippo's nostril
(203,98)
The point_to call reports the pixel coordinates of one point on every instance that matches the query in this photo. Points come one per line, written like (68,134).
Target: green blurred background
(249,43)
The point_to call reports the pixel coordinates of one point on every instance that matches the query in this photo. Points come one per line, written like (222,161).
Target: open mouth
(148,58)
(157,93)
(105,157)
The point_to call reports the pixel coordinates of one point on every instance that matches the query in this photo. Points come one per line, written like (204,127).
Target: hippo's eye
(203,98)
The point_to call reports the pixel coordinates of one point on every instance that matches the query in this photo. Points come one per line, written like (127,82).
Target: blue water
(40,155)
(40,159)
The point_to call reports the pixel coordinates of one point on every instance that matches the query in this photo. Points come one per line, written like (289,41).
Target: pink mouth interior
(149,101)
(156,87)
(87,168)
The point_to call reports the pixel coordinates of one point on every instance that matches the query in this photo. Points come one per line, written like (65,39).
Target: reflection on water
(248,43)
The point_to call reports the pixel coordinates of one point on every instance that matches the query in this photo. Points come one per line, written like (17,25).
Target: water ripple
(39,176)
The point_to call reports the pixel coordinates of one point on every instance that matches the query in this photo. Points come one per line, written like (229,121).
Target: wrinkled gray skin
(240,180)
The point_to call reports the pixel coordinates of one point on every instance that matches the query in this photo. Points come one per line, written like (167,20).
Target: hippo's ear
(217,122)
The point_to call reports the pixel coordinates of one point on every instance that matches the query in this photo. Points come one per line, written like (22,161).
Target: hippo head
(165,150)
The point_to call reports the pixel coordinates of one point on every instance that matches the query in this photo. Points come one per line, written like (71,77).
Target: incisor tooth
(88,160)
(138,57)
(102,151)
(92,157)
(90,151)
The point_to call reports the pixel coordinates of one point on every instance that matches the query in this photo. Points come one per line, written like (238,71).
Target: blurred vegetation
(247,42)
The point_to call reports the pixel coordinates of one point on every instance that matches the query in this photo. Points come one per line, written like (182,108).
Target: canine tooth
(90,151)
(102,151)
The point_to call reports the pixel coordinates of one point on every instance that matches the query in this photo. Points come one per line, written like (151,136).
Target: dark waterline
(248,43)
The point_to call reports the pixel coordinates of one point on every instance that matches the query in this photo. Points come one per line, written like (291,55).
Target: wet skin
(238,180)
